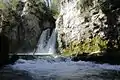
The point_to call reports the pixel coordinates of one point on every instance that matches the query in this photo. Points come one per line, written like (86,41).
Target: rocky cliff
(24,24)
(88,26)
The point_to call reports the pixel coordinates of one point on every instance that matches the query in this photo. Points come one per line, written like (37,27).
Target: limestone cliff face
(25,24)
(86,24)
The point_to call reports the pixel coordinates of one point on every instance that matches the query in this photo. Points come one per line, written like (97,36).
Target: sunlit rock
(83,20)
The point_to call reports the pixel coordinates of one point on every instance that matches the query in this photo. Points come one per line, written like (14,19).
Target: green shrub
(2,5)
(87,46)
(55,5)
(12,4)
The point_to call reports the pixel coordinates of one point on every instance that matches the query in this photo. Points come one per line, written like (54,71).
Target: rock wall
(88,25)
(4,50)
(25,24)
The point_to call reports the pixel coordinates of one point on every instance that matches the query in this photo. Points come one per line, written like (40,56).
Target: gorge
(60,39)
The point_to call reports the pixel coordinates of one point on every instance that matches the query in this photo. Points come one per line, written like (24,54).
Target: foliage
(55,5)
(2,5)
(87,46)
(11,4)
(55,13)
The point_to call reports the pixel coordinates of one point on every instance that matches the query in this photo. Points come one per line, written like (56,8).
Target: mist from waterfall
(47,43)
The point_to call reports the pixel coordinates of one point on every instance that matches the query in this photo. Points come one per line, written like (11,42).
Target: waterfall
(51,46)
(46,44)
(42,42)
(48,3)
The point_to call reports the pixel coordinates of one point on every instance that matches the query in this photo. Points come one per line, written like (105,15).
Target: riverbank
(109,56)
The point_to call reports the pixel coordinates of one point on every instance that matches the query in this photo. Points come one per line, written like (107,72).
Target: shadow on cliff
(112,10)
(4,51)
(109,56)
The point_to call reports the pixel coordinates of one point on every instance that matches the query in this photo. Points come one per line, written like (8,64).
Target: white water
(47,43)
(65,69)
(48,3)
(51,45)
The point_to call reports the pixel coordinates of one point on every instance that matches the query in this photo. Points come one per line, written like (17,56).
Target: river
(59,69)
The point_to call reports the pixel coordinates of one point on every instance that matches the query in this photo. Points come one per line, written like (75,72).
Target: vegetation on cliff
(95,44)
(55,8)
(23,23)
(89,26)
(8,4)
(92,32)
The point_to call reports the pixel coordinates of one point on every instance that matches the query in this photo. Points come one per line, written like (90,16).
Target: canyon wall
(24,24)
(88,25)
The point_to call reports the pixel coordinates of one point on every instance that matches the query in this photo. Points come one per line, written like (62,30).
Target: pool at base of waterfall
(59,69)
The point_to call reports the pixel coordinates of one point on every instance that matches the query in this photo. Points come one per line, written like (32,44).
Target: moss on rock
(2,5)
(87,46)
(9,4)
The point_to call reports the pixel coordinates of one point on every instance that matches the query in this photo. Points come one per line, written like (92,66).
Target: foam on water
(64,68)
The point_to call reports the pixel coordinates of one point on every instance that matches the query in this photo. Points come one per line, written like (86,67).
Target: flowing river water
(59,69)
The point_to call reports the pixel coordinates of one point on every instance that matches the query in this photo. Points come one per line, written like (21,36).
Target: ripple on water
(51,69)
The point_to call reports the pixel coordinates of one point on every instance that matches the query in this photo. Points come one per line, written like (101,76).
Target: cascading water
(46,43)
(42,42)
(51,46)
(48,3)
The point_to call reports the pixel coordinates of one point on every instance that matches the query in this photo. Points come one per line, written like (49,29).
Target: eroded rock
(84,20)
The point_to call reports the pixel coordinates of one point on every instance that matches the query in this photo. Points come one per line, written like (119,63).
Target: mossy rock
(88,46)
(2,5)
(12,4)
